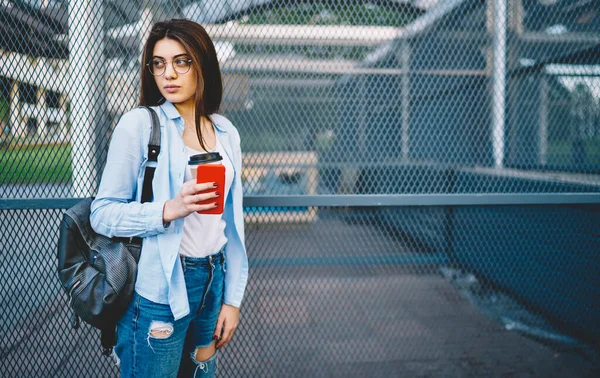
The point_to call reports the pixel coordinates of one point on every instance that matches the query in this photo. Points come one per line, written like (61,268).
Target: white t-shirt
(204,234)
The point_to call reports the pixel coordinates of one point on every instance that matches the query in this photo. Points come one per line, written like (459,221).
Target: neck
(186,110)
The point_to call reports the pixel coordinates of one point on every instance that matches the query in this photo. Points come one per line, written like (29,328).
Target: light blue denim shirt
(117,210)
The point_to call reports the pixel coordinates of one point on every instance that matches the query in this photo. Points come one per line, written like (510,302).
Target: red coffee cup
(208,168)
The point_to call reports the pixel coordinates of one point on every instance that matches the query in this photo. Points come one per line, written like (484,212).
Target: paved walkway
(355,320)
(378,325)
(323,326)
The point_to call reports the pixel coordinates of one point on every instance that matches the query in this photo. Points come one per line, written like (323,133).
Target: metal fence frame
(359,200)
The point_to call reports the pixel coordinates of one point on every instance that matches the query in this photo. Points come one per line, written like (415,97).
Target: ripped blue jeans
(169,351)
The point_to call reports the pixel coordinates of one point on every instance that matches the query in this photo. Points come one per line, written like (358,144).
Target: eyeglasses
(157,66)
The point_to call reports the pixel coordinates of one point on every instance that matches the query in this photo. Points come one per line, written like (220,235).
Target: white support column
(543,130)
(62,125)
(86,71)
(40,113)
(405,99)
(15,110)
(144,27)
(499,81)
(362,127)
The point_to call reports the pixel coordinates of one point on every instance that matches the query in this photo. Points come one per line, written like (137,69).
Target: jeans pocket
(192,263)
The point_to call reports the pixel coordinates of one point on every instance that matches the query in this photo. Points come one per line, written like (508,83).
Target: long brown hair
(202,52)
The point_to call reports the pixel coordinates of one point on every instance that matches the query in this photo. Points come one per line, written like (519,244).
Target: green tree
(3,109)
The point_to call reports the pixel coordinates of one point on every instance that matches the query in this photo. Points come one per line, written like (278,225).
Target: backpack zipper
(72,290)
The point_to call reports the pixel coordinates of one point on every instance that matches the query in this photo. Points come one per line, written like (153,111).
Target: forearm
(113,217)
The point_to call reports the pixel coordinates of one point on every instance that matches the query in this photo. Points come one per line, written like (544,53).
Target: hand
(229,318)
(186,202)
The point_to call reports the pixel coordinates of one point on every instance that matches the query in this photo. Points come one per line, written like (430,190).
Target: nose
(170,72)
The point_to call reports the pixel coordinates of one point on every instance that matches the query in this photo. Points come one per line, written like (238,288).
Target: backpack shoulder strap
(153,151)
(108,335)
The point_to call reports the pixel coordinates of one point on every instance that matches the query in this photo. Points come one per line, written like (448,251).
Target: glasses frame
(172,65)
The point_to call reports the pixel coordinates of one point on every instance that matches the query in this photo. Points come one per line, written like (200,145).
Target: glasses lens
(157,66)
(182,65)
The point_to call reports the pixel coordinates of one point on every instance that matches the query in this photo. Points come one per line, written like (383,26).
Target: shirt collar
(172,113)
(170,110)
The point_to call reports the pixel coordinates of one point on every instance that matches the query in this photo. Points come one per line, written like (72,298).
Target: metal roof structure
(551,31)
(43,26)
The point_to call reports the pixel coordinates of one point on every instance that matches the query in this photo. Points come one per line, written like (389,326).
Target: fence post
(86,90)
(499,80)
(406,95)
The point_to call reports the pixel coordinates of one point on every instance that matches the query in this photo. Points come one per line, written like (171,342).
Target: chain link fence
(421,177)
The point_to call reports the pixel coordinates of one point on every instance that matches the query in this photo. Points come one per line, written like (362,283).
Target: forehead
(168,48)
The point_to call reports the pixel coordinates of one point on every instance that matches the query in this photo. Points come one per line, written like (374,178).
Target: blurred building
(422,115)
(434,84)
(36,71)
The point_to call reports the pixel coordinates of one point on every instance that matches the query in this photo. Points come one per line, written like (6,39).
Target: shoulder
(137,115)
(133,128)
(134,119)
(224,123)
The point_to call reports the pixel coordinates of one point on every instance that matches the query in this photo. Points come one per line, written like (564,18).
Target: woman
(193,267)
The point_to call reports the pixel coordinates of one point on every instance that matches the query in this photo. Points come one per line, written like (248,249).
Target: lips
(172,88)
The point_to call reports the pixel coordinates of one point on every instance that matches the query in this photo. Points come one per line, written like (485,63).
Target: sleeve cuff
(237,304)
(232,299)
(153,211)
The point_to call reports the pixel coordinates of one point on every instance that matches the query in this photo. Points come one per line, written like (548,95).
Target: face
(178,88)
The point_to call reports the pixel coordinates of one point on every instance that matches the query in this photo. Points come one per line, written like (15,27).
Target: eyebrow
(175,56)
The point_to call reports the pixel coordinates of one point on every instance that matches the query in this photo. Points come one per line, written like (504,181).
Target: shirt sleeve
(236,276)
(115,210)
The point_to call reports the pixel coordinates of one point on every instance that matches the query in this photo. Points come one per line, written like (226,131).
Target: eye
(157,63)
(182,62)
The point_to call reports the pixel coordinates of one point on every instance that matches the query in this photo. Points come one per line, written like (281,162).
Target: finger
(205,186)
(224,340)
(193,199)
(219,328)
(202,207)
(204,196)
(227,336)
(189,187)
(200,197)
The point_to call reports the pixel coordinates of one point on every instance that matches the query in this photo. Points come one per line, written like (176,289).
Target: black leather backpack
(98,273)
